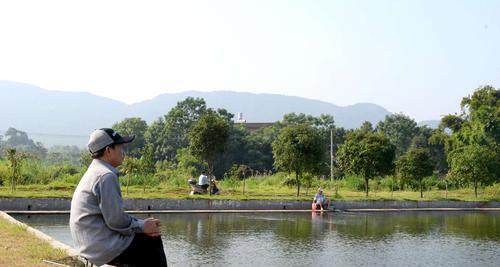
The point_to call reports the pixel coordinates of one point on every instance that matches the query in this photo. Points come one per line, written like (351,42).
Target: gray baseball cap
(103,137)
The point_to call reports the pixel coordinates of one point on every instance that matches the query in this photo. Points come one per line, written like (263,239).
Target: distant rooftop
(252,126)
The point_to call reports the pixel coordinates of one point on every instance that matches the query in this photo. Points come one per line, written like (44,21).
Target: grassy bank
(280,186)
(21,248)
(268,192)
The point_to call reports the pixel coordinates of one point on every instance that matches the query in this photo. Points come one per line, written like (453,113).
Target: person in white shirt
(203,180)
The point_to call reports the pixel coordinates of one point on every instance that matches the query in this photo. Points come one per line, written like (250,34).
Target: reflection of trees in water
(213,233)
(202,234)
(377,226)
(303,233)
(484,225)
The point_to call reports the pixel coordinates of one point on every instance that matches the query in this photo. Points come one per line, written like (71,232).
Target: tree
(1,146)
(475,163)
(16,160)
(475,133)
(298,148)
(452,122)
(147,163)
(325,125)
(429,139)
(482,110)
(296,119)
(171,132)
(21,142)
(188,163)
(131,166)
(415,165)
(156,136)
(400,129)
(366,154)
(136,127)
(479,122)
(241,172)
(259,148)
(63,154)
(235,150)
(207,138)
(366,126)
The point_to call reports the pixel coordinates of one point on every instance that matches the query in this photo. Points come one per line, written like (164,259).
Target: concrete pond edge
(44,205)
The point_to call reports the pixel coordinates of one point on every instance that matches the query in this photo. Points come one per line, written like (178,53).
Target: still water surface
(328,239)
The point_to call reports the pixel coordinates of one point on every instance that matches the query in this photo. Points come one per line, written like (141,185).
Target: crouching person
(102,231)
(320,201)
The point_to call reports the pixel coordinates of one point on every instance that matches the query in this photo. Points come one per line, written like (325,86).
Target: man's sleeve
(111,205)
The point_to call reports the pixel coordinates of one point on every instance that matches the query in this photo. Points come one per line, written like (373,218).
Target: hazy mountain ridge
(36,110)
(266,107)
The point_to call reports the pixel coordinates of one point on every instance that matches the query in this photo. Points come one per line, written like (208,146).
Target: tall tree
(366,154)
(428,139)
(207,138)
(325,125)
(476,164)
(482,111)
(172,132)
(400,129)
(259,148)
(133,126)
(157,137)
(475,133)
(298,148)
(235,150)
(16,160)
(131,166)
(415,165)
(147,163)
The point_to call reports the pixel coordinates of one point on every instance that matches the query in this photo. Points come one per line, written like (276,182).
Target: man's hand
(152,227)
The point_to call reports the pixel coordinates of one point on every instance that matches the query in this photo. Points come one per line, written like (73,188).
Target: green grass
(20,248)
(260,192)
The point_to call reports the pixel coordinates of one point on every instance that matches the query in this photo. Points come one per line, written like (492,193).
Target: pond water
(328,239)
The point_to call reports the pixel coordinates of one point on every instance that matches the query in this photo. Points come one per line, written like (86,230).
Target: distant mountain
(433,124)
(41,112)
(32,109)
(265,107)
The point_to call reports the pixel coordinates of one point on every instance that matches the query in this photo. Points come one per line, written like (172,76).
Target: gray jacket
(99,225)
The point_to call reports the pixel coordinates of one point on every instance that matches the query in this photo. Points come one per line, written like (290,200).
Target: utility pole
(331,154)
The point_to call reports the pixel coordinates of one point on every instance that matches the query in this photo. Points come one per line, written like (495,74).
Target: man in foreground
(101,229)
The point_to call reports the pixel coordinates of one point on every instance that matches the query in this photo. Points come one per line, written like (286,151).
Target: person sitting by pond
(203,180)
(103,233)
(195,188)
(320,200)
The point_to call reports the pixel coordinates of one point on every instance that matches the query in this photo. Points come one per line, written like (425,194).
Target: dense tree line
(192,137)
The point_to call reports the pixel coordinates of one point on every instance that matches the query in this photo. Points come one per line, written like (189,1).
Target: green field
(261,188)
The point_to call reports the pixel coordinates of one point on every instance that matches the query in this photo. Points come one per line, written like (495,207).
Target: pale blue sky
(415,57)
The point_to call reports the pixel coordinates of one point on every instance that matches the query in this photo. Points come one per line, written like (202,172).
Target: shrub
(354,182)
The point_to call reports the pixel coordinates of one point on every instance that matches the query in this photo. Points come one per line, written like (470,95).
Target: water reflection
(299,239)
